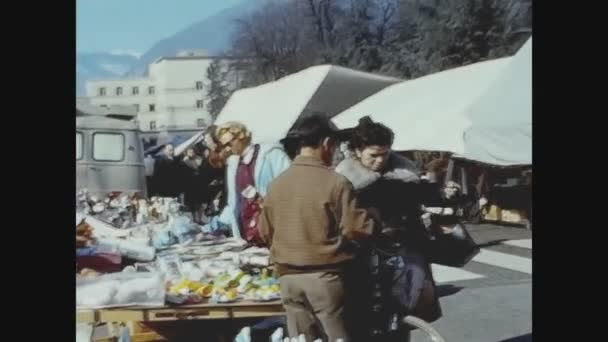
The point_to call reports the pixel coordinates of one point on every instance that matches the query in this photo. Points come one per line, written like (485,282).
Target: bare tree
(403,38)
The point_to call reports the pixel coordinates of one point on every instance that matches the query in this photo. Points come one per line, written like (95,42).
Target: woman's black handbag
(453,247)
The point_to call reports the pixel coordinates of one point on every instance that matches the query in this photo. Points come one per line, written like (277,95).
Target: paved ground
(490,299)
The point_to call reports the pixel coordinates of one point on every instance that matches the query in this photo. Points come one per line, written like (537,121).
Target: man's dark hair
(370,133)
(311,131)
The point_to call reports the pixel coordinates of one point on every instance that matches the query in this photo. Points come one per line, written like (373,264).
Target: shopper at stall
(212,174)
(167,175)
(249,169)
(194,187)
(384,180)
(214,170)
(149,170)
(311,221)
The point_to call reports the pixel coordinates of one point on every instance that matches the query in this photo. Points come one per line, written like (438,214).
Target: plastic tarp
(188,143)
(480,112)
(180,141)
(271,109)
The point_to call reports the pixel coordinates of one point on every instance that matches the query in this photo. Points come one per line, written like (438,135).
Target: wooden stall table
(147,323)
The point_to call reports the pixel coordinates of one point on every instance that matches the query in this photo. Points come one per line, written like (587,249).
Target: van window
(108,146)
(78,145)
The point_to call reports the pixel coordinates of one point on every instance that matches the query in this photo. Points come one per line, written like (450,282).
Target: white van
(109,155)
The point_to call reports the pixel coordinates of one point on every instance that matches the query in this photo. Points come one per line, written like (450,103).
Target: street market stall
(480,114)
(143,260)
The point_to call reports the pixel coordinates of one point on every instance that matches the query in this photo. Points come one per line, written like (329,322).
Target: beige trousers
(314,304)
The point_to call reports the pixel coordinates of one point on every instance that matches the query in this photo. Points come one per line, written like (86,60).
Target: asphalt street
(490,299)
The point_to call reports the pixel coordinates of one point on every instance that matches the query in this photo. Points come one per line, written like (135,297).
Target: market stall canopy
(271,109)
(480,112)
(501,130)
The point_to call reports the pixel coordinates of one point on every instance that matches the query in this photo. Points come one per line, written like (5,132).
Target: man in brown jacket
(310,220)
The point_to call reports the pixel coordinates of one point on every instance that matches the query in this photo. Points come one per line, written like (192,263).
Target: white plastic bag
(129,249)
(121,289)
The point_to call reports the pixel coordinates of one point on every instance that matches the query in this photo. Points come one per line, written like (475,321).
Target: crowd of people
(346,227)
(196,177)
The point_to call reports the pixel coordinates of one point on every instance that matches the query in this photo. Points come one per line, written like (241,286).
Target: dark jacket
(194,186)
(309,215)
(213,180)
(398,195)
(168,177)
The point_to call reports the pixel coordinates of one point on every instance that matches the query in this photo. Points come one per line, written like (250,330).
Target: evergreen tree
(218,89)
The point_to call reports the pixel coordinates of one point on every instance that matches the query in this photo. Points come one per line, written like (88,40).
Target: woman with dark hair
(389,183)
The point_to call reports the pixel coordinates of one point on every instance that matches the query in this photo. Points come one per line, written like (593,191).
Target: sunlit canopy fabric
(480,112)
(271,109)
(501,130)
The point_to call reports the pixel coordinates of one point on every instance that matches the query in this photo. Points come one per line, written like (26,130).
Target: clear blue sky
(135,25)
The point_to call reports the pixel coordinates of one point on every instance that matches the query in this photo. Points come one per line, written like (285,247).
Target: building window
(102,91)
(200,122)
(199,103)
(136,108)
(151,107)
(78,145)
(118,91)
(151,90)
(108,146)
(152,124)
(135,91)
(199,85)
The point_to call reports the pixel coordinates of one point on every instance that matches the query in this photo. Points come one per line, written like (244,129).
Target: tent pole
(481,182)
(463,181)
(449,172)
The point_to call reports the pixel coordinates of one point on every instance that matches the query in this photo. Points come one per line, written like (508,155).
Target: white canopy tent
(501,132)
(271,109)
(480,112)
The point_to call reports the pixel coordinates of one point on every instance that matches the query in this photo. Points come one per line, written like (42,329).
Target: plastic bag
(171,266)
(121,289)
(244,335)
(129,249)
(163,239)
(182,228)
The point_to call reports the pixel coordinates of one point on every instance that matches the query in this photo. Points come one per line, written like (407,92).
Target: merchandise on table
(129,249)
(170,265)
(175,262)
(120,289)
(227,287)
(87,272)
(125,211)
(98,260)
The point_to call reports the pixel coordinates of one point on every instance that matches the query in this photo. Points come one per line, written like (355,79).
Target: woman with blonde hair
(250,168)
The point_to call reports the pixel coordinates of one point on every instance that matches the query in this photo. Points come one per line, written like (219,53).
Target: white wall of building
(178,98)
